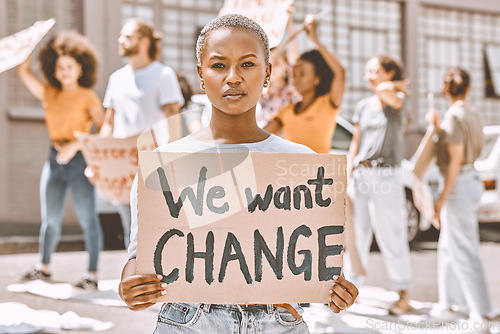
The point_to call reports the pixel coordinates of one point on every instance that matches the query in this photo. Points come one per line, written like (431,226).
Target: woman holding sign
(69,64)
(461,280)
(233,66)
(319,78)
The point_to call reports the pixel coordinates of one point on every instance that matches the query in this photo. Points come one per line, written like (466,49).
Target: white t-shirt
(272,144)
(138,96)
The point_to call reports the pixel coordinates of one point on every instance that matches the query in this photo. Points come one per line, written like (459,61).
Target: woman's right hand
(310,27)
(432,117)
(24,66)
(92,173)
(141,291)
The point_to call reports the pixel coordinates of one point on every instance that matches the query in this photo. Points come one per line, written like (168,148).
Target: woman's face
(376,74)
(305,79)
(67,71)
(233,69)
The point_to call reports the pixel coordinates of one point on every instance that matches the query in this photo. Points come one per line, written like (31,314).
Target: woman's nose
(234,76)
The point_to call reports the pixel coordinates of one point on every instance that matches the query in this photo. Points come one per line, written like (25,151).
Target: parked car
(488,166)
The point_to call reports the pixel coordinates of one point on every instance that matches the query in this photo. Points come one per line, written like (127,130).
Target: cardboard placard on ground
(218,245)
(271,15)
(14,49)
(425,158)
(114,163)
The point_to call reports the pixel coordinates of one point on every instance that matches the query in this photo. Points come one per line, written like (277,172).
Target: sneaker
(88,282)
(35,274)
(446,314)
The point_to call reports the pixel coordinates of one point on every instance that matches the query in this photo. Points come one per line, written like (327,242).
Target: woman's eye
(247,64)
(217,65)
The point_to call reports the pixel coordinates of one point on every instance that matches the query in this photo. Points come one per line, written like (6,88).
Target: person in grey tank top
(461,281)
(374,158)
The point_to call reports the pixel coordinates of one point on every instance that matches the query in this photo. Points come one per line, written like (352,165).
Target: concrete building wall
(355,30)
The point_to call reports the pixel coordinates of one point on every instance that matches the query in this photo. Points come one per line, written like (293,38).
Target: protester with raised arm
(319,78)
(69,64)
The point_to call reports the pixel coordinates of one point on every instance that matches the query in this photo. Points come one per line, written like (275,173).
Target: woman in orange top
(69,64)
(319,77)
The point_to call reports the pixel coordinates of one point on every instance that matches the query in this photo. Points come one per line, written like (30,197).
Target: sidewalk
(68,267)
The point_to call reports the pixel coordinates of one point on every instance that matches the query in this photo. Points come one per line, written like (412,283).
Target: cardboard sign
(14,49)
(425,158)
(242,227)
(114,163)
(271,15)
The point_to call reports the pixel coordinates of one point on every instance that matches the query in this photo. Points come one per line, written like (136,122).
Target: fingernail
(335,277)
(331,291)
(163,292)
(330,298)
(159,277)
(163,285)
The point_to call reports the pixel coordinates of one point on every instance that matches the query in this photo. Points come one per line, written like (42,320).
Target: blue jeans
(125,217)
(176,318)
(54,184)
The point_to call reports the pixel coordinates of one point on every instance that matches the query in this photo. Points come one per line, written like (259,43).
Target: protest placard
(14,49)
(113,162)
(271,15)
(424,158)
(242,227)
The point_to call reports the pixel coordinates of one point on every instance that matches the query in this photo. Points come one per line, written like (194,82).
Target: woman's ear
(269,69)
(199,70)
(317,80)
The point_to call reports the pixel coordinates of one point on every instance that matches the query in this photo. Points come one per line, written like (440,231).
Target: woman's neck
(307,100)
(70,87)
(456,99)
(233,129)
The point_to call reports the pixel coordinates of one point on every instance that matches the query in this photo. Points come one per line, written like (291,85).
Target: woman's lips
(234,97)
(233,94)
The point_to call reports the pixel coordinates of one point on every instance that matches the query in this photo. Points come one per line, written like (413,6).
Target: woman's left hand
(438,205)
(67,152)
(342,295)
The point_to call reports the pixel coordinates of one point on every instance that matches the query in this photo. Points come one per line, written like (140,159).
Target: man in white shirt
(141,93)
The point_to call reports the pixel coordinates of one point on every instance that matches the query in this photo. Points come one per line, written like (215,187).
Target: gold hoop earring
(202,85)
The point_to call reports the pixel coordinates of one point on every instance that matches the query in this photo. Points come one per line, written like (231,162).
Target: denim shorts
(224,318)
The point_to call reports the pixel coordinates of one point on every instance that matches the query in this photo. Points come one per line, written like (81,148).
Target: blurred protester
(140,94)
(69,64)
(319,78)
(191,111)
(461,281)
(375,154)
(280,90)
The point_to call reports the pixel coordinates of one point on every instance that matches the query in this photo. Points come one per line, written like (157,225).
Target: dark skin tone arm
(140,291)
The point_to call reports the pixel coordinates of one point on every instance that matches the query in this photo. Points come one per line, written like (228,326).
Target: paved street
(68,267)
